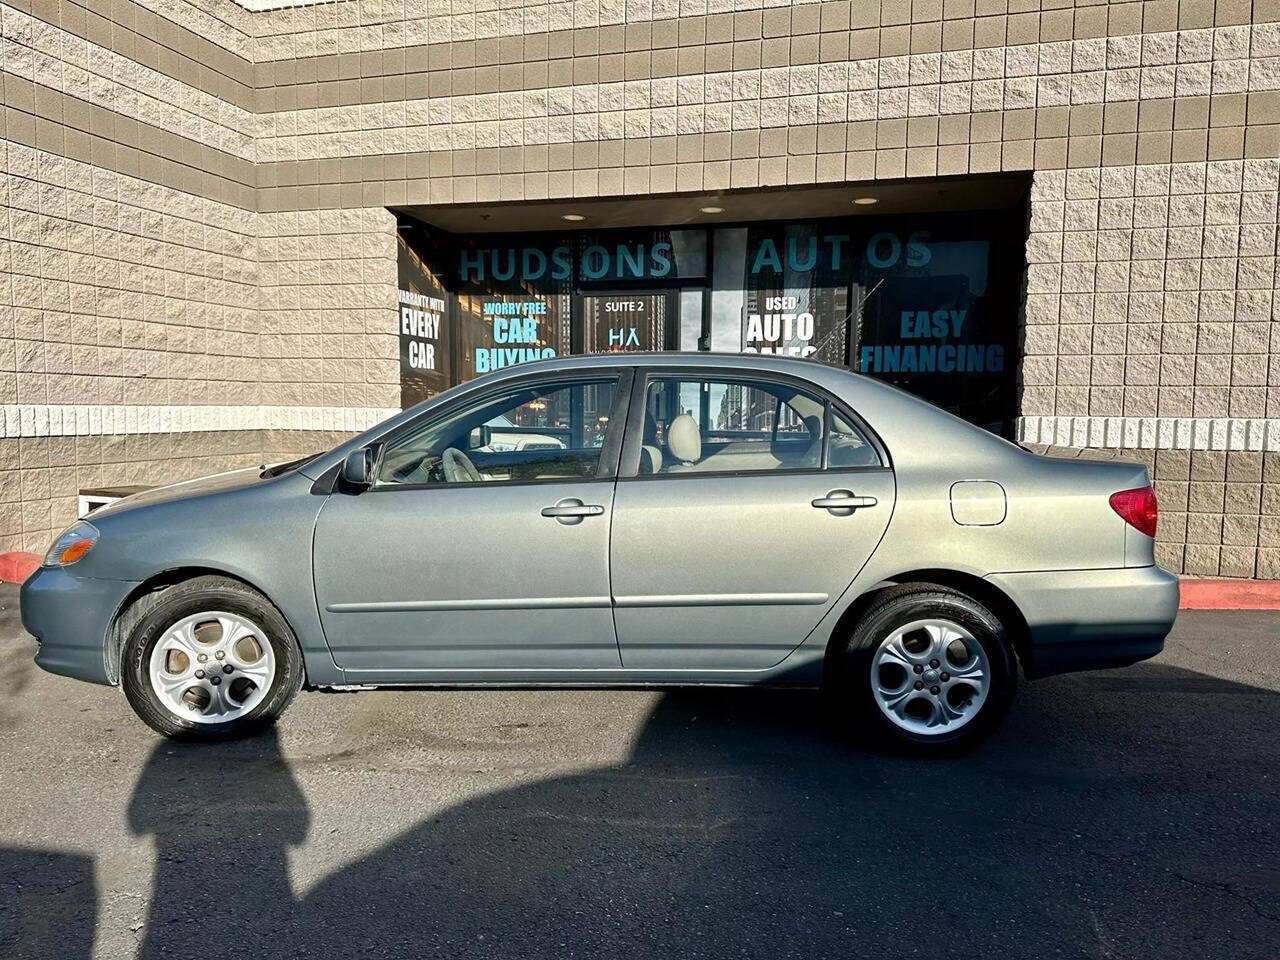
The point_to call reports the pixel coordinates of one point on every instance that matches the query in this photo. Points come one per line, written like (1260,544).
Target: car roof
(702,358)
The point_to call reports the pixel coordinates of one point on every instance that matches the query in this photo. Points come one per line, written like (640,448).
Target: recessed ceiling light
(575,217)
(865,201)
(712,209)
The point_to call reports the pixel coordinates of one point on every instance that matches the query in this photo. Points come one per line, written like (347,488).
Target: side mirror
(357,469)
(480,437)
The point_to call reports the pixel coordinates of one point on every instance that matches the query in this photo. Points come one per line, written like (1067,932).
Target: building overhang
(998,191)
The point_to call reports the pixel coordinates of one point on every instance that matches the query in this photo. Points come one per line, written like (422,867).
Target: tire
(873,691)
(266,649)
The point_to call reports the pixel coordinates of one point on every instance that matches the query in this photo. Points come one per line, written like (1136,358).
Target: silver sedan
(672,519)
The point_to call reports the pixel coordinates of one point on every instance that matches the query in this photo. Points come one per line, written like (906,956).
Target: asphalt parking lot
(1129,813)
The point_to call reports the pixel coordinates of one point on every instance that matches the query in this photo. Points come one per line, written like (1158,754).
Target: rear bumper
(69,616)
(1088,619)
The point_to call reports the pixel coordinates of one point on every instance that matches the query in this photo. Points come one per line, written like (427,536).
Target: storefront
(927,301)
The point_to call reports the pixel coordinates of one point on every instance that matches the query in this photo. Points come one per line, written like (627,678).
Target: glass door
(782,289)
(628,321)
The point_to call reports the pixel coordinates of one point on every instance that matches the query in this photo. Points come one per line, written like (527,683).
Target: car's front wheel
(209,658)
(928,668)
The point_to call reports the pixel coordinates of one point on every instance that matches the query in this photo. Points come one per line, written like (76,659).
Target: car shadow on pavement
(1100,821)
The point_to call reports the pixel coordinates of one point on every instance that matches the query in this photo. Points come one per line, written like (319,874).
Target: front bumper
(1089,619)
(70,617)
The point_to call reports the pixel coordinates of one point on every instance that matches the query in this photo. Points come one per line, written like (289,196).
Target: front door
(483,543)
(755,506)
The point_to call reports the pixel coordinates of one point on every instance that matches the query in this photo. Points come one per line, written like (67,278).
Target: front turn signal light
(72,544)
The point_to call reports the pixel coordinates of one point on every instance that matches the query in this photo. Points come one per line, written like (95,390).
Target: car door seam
(315,587)
(854,579)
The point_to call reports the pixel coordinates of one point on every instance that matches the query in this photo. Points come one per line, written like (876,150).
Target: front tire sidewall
(898,611)
(186,601)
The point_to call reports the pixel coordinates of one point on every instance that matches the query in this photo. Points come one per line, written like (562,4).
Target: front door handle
(571,510)
(843,502)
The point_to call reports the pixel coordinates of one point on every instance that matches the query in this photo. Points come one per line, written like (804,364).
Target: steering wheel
(458,467)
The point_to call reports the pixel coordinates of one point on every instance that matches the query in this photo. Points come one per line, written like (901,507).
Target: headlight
(74,542)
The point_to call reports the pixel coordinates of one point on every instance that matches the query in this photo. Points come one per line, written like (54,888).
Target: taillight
(1138,508)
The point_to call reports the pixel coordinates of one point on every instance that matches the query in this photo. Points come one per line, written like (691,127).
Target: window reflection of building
(926,326)
(801,310)
(554,412)
(744,408)
(425,361)
(490,341)
(625,322)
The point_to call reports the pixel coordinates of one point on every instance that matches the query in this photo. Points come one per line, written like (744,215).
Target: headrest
(683,439)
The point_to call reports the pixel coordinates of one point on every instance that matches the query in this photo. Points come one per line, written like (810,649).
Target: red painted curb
(1230,595)
(17,565)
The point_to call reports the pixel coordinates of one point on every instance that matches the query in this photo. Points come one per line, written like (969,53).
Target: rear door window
(712,425)
(847,446)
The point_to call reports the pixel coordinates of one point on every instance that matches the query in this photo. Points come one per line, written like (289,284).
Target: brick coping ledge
(17,565)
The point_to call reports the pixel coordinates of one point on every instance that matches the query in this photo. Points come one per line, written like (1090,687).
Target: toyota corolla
(674,519)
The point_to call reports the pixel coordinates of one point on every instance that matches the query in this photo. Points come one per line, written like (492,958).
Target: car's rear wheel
(209,658)
(927,668)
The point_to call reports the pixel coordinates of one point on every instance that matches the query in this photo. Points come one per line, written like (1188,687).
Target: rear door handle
(571,510)
(843,502)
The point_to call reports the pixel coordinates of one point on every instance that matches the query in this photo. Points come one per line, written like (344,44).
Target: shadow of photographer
(222,816)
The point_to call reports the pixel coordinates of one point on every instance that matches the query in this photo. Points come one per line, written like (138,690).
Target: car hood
(185,489)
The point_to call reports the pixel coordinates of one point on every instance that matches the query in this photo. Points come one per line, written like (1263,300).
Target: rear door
(727,551)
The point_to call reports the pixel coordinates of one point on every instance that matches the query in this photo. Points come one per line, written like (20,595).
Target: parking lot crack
(1231,890)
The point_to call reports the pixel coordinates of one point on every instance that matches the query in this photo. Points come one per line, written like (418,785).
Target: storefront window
(926,323)
(928,303)
(515,302)
(641,290)
(628,321)
(504,329)
(424,328)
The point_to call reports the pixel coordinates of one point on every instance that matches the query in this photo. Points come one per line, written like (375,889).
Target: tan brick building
(1062,217)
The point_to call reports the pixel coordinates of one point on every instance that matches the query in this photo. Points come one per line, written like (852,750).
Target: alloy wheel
(212,667)
(930,677)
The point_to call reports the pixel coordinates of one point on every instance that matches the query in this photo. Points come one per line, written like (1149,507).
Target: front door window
(550,431)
